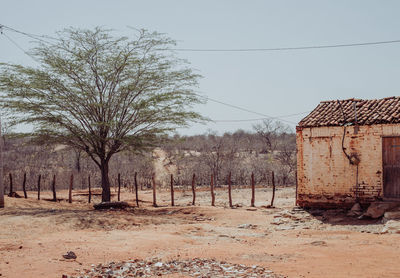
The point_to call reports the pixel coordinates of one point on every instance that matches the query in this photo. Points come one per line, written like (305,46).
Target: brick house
(349,151)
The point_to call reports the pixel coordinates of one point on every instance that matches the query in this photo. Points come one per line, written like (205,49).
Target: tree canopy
(101,94)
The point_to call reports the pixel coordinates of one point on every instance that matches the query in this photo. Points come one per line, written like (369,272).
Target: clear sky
(271,83)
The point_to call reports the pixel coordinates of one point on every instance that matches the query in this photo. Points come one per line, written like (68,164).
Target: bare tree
(269,131)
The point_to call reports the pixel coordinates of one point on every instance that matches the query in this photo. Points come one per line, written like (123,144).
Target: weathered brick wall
(325,176)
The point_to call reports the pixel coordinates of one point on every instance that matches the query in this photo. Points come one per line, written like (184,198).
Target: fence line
(154,189)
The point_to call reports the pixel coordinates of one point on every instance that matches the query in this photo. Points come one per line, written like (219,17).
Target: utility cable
(19,47)
(285,48)
(259,119)
(307,47)
(245,109)
(32,36)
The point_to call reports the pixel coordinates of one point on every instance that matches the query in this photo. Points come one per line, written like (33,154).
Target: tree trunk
(105,182)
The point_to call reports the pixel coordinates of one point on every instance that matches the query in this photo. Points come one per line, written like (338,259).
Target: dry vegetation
(270,148)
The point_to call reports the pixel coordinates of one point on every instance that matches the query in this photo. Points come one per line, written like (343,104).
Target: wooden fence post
(24,186)
(38,187)
(11,185)
(53,187)
(71,184)
(212,190)
(253,191)
(194,189)
(119,187)
(136,190)
(90,191)
(230,190)
(154,191)
(172,190)
(273,189)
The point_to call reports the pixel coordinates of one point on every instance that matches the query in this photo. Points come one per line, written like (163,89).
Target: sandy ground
(34,235)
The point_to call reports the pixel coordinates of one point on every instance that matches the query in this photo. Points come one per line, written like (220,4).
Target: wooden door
(391,167)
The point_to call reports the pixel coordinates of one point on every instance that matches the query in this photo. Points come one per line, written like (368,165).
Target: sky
(275,83)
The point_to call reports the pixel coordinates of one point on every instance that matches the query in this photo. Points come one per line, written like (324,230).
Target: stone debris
(319,243)
(391,227)
(247,226)
(378,209)
(70,255)
(202,218)
(355,210)
(192,268)
(391,215)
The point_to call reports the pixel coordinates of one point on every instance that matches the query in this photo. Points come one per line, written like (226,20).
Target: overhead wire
(285,48)
(19,47)
(30,35)
(247,110)
(259,119)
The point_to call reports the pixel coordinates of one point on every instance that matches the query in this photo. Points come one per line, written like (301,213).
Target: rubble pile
(191,268)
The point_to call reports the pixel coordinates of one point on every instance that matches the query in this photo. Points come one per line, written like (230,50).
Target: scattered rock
(355,210)
(70,255)
(200,218)
(319,243)
(223,236)
(377,209)
(247,226)
(279,221)
(284,228)
(192,267)
(391,215)
(391,227)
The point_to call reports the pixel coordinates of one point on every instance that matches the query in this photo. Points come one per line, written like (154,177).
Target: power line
(285,48)
(19,47)
(308,47)
(258,119)
(32,36)
(246,110)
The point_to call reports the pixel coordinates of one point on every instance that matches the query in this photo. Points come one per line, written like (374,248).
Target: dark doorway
(391,166)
